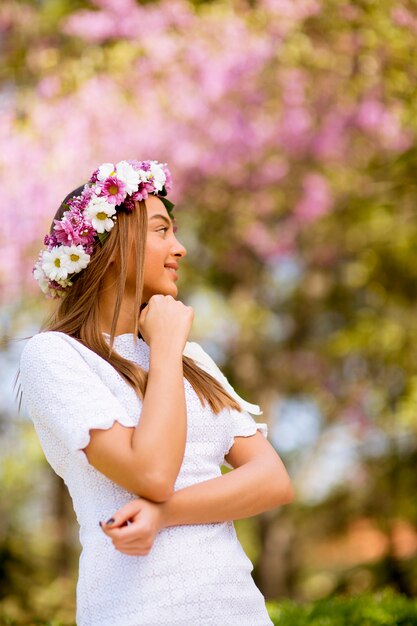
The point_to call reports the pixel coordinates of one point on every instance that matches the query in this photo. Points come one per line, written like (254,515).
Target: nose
(178,249)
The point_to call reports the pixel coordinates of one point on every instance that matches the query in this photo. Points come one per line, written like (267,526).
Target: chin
(164,290)
(173,291)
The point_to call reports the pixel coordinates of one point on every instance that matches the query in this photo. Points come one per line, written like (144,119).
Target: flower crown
(91,216)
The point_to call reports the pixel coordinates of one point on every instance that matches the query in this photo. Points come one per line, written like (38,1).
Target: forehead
(155,206)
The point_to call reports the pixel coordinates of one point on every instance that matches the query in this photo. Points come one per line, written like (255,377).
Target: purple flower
(142,165)
(129,203)
(50,240)
(93,178)
(80,202)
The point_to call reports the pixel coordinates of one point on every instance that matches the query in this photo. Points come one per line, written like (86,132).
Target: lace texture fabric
(196,575)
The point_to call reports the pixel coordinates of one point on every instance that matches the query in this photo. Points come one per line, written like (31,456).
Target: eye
(162,229)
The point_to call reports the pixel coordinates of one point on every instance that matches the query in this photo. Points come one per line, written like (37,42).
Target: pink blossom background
(259,101)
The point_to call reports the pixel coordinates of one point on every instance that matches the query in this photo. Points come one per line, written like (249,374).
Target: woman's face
(163,251)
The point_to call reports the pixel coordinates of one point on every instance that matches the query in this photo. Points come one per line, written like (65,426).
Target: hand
(135,526)
(165,320)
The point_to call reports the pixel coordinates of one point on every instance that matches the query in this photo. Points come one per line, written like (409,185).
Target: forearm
(159,439)
(246,491)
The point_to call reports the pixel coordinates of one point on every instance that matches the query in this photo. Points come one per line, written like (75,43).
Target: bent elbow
(283,492)
(157,488)
(287,493)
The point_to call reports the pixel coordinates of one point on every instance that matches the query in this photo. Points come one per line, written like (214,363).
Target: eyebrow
(162,217)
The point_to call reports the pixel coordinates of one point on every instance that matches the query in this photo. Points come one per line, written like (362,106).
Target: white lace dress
(195,575)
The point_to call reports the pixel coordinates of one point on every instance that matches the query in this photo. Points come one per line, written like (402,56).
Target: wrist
(165,351)
(166,514)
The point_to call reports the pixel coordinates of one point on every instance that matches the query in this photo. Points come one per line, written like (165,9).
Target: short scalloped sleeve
(62,392)
(244,425)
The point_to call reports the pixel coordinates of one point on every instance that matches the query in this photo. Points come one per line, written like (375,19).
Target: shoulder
(44,340)
(51,345)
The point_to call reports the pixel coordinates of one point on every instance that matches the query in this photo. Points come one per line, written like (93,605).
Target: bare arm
(146,459)
(258,483)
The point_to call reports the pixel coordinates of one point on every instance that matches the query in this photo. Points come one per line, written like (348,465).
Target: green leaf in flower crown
(168,204)
(102,237)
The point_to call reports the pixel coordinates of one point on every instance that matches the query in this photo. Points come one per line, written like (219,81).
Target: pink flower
(64,232)
(114,190)
(73,229)
(144,190)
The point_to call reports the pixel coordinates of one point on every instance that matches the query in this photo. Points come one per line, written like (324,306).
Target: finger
(138,545)
(125,513)
(130,536)
(157,297)
(108,531)
(133,551)
(143,546)
(130,533)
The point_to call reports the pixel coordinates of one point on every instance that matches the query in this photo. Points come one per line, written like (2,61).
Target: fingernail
(110,521)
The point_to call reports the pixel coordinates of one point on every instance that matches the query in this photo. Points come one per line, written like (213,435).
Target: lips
(172,269)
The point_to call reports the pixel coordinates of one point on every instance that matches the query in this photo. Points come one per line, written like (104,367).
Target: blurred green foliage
(383,609)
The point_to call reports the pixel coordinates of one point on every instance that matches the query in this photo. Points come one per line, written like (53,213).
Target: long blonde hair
(77,313)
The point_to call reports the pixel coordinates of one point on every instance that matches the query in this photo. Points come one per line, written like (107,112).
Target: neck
(126,320)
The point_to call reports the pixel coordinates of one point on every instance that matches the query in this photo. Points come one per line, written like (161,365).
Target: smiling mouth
(172,271)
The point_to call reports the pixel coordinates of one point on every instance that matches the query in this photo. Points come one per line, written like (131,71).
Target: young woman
(138,421)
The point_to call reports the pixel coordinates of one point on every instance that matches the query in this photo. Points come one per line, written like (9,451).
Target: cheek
(154,261)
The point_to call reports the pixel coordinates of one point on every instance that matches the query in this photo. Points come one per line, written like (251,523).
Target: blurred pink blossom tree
(250,105)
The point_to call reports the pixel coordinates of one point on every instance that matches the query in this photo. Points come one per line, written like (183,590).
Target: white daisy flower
(99,212)
(157,176)
(54,263)
(128,175)
(77,258)
(144,176)
(41,277)
(105,170)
